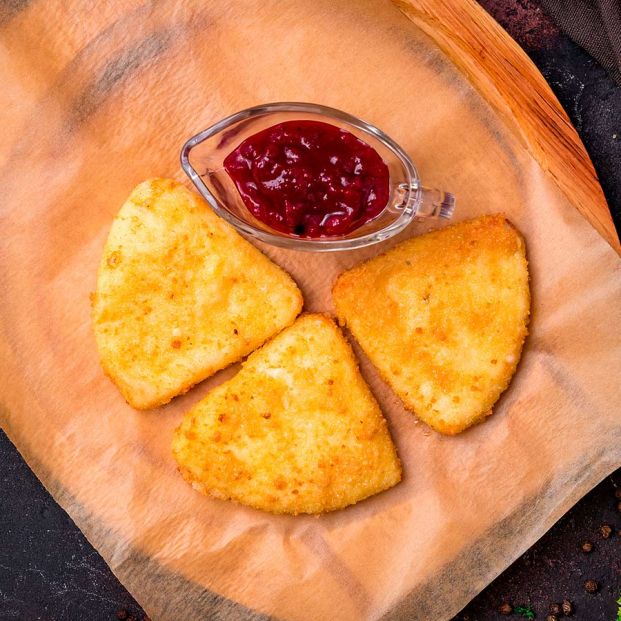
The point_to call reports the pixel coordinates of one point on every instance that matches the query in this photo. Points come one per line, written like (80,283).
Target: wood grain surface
(502,72)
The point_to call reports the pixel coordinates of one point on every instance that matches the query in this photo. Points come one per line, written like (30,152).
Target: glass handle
(431,203)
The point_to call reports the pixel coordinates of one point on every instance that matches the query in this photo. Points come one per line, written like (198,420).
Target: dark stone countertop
(49,572)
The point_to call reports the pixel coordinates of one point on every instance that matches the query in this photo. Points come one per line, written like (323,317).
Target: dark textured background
(590,97)
(48,571)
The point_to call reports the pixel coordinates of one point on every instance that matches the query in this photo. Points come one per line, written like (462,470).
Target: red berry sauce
(309,179)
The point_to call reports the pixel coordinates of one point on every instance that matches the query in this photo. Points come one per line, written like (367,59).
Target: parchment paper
(94,101)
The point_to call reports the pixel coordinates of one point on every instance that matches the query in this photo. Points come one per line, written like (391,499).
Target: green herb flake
(524,611)
(619,609)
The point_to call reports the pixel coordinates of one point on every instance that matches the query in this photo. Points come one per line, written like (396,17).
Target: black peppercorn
(605,530)
(568,608)
(591,586)
(505,608)
(555,609)
(587,547)
(551,618)
(122,614)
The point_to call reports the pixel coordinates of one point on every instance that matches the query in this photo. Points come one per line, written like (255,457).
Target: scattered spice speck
(587,547)
(551,618)
(121,614)
(591,586)
(568,608)
(505,609)
(605,530)
(555,609)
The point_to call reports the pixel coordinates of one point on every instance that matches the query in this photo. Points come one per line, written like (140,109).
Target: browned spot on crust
(114,258)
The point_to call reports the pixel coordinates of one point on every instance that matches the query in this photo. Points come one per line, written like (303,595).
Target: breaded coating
(443,317)
(297,430)
(180,295)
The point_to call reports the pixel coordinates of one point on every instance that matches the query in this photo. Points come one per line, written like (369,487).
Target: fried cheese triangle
(180,295)
(297,430)
(443,317)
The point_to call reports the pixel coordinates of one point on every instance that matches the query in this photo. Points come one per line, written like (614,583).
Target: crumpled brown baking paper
(94,101)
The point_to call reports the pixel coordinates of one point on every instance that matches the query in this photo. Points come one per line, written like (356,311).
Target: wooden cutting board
(502,72)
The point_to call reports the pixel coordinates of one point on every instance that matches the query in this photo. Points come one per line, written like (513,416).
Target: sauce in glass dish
(309,179)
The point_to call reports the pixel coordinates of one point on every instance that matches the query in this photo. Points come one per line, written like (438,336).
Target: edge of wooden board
(498,68)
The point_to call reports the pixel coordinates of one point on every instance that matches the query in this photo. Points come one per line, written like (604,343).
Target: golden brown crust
(180,295)
(297,430)
(443,317)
